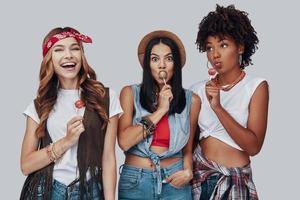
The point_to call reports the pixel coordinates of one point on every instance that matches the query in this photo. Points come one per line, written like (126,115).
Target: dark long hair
(149,87)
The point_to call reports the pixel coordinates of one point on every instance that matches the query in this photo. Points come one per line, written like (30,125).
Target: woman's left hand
(180,178)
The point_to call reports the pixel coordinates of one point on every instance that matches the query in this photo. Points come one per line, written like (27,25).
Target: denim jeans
(208,186)
(61,191)
(140,183)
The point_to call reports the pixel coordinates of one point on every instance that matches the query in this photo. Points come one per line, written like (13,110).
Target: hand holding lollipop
(166,89)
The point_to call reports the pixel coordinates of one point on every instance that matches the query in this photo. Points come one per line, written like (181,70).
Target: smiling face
(223,53)
(161,62)
(66,59)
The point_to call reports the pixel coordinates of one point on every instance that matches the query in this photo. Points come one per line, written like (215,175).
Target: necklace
(229,86)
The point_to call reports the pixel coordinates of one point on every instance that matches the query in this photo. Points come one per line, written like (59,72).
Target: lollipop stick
(165,81)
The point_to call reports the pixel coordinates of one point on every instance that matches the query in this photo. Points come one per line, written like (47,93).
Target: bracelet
(54,152)
(149,126)
(144,129)
(49,152)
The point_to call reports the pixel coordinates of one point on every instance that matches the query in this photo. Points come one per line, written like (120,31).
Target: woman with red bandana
(68,150)
(234,108)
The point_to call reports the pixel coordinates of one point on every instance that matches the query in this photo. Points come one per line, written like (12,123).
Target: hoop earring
(207,65)
(240,59)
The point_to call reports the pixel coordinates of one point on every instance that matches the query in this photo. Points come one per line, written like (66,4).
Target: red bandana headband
(55,38)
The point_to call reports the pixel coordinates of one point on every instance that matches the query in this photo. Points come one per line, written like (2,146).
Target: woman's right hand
(74,129)
(164,98)
(213,95)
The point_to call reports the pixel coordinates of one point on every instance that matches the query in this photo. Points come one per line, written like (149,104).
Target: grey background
(116,28)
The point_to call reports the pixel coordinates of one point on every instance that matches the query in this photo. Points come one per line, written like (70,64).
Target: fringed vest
(92,139)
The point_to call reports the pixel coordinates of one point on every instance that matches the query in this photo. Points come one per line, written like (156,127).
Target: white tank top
(235,102)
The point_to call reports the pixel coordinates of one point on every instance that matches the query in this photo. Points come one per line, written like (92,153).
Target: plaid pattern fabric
(235,183)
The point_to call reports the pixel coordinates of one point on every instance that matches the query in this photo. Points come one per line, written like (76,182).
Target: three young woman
(69,144)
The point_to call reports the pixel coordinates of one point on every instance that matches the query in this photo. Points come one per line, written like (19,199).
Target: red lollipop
(79,104)
(211,71)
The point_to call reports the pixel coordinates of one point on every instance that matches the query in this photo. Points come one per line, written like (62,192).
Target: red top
(161,136)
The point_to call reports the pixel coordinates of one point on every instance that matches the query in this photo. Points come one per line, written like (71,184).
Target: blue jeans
(140,183)
(208,186)
(61,191)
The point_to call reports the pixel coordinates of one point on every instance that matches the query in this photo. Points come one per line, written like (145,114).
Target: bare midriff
(221,153)
(146,163)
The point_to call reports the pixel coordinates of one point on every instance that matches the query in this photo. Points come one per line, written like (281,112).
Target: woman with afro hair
(234,108)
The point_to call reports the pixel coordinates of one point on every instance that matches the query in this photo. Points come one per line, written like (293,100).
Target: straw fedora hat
(157,34)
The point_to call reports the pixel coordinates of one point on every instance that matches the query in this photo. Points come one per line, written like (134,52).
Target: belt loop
(165,173)
(140,172)
(120,169)
(70,188)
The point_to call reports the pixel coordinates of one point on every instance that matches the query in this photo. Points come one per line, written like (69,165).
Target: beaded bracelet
(149,125)
(144,129)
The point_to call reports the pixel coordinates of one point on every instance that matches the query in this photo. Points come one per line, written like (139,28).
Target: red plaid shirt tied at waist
(235,183)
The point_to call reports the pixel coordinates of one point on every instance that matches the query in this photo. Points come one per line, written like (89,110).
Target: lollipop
(78,104)
(211,71)
(163,75)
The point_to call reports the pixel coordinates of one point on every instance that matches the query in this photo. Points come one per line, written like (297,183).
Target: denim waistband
(160,176)
(71,188)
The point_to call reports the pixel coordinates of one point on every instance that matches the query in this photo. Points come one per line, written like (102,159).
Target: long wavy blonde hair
(92,94)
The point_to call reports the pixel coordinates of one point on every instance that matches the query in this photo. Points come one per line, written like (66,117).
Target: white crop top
(65,170)
(235,102)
